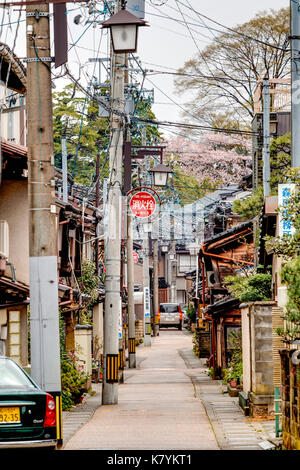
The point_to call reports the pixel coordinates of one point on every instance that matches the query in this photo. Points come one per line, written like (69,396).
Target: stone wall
(139,331)
(203,343)
(261,386)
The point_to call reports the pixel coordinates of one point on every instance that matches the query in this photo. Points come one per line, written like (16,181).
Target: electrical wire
(236,32)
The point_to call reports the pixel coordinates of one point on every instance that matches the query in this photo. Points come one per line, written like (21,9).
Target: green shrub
(257,287)
(73,381)
(73,378)
(191,313)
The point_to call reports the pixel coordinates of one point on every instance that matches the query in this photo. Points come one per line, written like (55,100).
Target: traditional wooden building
(227,253)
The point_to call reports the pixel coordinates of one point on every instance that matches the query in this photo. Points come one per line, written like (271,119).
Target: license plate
(9,415)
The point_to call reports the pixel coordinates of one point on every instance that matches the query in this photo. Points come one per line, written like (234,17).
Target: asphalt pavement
(167,402)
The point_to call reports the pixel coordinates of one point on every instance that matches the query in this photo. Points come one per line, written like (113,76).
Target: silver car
(170,314)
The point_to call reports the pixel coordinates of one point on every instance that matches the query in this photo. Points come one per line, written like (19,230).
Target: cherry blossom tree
(218,158)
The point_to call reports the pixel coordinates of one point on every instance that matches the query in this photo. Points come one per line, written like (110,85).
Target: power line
(284,49)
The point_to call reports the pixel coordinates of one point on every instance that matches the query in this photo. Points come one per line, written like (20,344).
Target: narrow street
(157,407)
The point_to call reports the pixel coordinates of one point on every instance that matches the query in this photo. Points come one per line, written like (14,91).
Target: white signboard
(136,7)
(284,193)
(146,301)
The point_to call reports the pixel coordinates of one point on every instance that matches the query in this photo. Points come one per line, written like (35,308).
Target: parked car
(184,316)
(170,314)
(27,413)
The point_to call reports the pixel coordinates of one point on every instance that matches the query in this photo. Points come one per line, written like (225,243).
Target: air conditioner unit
(210,278)
(4,239)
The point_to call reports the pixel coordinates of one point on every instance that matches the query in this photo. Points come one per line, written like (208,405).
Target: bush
(191,313)
(72,378)
(235,366)
(250,289)
(73,381)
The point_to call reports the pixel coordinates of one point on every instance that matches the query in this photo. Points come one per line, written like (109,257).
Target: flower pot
(233,383)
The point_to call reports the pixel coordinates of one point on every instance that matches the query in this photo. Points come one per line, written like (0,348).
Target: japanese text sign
(285,191)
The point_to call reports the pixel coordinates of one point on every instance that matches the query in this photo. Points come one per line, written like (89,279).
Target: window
(187,263)
(12,376)
(168,308)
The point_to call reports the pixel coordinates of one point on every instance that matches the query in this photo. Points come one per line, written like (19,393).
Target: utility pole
(146,285)
(146,282)
(44,312)
(130,293)
(266,141)
(155,286)
(129,247)
(113,237)
(295,83)
(173,247)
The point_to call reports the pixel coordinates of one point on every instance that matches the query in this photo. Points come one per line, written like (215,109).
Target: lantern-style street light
(160,174)
(124,30)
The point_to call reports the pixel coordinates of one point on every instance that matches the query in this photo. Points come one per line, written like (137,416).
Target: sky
(165,45)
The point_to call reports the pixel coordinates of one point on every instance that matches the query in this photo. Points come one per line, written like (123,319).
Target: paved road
(157,406)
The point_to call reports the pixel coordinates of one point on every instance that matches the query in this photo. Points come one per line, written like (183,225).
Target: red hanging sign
(142,204)
(135,257)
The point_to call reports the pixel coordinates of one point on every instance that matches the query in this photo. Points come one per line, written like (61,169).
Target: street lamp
(160,174)
(124,30)
(194,251)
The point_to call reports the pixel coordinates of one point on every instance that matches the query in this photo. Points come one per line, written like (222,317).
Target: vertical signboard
(60,34)
(147,302)
(285,191)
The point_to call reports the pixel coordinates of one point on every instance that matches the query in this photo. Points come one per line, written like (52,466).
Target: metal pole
(266,142)
(295,82)
(44,312)
(197,296)
(97,216)
(129,249)
(146,285)
(64,168)
(173,261)
(155,287)
(146,281)
(113,240)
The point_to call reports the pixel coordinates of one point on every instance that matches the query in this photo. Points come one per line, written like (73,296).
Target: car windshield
(168,308)
(12,376)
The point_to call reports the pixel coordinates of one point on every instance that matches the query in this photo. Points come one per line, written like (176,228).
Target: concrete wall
(14,209)
(97,330)
(83,342)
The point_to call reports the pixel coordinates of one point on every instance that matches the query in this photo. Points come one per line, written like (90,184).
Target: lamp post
(160,175)
(124,29)
(194,251)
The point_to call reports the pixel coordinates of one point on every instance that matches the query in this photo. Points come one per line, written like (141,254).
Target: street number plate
(9,415)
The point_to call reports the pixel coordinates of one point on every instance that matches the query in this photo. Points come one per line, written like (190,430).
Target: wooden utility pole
(44,313)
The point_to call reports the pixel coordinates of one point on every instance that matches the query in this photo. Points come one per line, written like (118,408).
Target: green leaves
(250,289)
(251,206)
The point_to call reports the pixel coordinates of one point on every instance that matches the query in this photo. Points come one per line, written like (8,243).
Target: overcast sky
(166,44)
(169,43)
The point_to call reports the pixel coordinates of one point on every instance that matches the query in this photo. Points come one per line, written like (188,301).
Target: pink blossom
(217,157)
